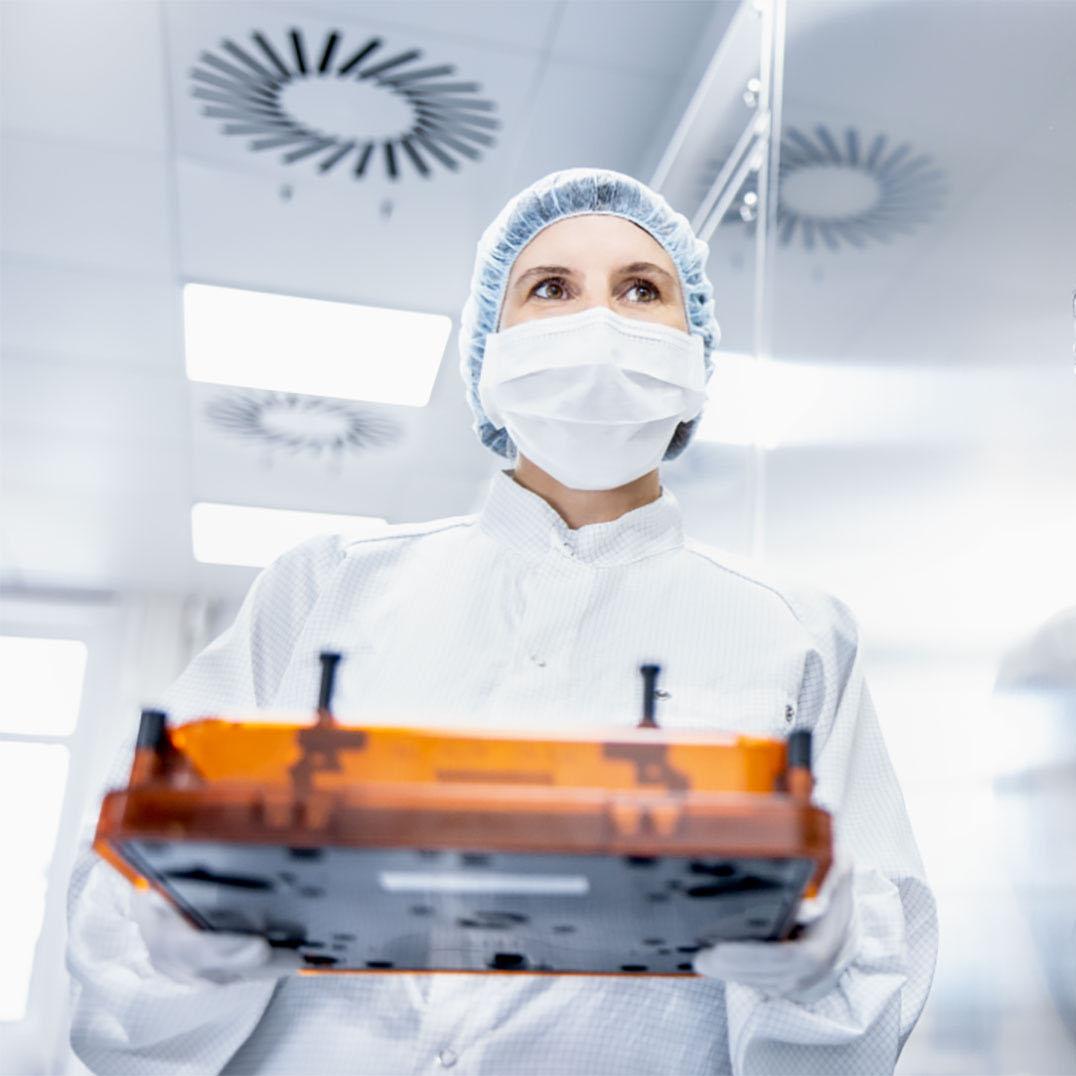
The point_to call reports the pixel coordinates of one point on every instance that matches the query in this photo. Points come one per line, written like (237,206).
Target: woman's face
(594,260)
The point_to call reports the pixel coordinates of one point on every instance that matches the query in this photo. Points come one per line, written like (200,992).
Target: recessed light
(316,347)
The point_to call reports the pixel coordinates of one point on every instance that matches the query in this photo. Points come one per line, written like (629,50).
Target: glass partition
(923,456)
(715,171)
(889,194)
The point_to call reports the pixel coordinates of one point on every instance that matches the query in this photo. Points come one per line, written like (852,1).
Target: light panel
(316,347)
(255,537)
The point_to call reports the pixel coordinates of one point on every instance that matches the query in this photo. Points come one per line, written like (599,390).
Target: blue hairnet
(569,193)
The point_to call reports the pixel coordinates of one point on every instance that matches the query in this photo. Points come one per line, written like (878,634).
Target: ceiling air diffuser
(344,107)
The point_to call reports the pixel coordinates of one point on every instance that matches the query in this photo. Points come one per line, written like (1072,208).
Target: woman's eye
(562,291)
(648,286)
(556,282)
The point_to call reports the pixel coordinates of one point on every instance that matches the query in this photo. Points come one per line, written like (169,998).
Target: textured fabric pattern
(510,618)
(570,193)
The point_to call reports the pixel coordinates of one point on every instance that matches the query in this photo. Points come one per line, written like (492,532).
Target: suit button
(446,1058)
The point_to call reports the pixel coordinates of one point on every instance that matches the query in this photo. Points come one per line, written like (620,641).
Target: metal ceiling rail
(746,157)
(747,68)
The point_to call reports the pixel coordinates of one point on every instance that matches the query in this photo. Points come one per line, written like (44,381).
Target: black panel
(635,915)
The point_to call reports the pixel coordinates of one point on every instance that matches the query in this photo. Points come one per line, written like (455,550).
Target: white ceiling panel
(611,113)
(520,27)
(95,513)
(119,403)
(92,205)
(89,74)
(81,467)
(92,315)
(238,231)
(633,35)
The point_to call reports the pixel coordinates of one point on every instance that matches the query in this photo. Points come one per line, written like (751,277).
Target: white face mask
(592,398)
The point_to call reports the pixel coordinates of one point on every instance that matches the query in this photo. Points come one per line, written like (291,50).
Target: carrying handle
(799,777)
(329,660)
(650,678)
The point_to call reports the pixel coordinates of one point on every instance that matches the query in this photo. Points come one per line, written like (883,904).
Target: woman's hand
(806,968)
(187,955)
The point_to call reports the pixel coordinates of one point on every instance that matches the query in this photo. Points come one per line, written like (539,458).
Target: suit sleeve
(861,1025)
(126,1016)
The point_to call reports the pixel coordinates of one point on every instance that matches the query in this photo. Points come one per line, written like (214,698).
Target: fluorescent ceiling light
(255,537)
(311,346)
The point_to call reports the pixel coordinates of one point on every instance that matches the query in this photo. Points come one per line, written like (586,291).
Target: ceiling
(941,432)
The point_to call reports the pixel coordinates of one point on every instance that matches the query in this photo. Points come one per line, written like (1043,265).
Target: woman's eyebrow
(646,267)
(563,270)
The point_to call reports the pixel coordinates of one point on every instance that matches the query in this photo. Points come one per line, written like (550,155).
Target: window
(41,682)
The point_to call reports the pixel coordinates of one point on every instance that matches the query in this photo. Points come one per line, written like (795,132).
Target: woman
(585,344)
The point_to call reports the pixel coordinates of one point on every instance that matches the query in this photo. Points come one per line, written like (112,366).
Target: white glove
(806,968)
(187,955)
